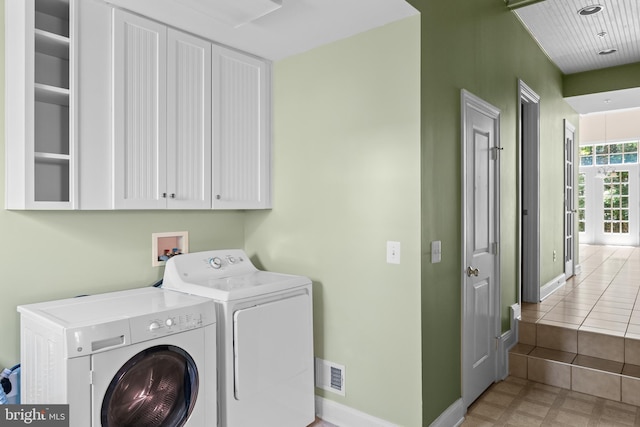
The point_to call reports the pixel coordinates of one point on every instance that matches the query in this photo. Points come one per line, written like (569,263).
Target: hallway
(601,299)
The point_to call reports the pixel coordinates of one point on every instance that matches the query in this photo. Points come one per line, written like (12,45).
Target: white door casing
(529,199)
(480,239)
(569,198)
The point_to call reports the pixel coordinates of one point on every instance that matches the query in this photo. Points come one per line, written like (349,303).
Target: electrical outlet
(393,252)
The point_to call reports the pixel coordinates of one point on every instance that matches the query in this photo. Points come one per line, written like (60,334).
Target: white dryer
(265,337)
(142,357)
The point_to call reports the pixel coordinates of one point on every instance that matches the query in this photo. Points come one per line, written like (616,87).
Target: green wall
(52,255)
(603,80)
(347,180)
(479,46)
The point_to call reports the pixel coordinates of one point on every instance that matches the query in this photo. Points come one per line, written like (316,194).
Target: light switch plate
(393,252)
(436,251)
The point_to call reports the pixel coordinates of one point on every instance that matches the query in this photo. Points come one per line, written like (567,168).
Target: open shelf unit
(40,136)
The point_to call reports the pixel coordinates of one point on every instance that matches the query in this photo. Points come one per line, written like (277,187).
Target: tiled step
(587,362)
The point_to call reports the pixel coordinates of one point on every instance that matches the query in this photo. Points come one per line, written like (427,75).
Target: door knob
(472,272)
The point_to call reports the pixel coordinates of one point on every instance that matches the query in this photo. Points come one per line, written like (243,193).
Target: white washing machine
(142,357)
(265,337)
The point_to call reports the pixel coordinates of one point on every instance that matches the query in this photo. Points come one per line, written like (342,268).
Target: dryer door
(156,387)
(273,352)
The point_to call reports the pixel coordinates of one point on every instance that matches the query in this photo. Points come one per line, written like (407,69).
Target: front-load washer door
(273,360)
(150,384)
(156,387)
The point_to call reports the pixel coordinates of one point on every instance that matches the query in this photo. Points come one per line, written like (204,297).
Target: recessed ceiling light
(607,51)
(590,10)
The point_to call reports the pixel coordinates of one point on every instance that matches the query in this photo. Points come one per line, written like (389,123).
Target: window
(616,203)
(609,154)
(582,223)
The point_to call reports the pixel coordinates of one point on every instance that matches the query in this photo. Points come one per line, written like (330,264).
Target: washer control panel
(171,322)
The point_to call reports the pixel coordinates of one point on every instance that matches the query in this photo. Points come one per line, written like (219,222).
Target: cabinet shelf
(51,94)
(52,44)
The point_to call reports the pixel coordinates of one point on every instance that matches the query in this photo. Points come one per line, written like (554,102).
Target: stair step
(606,366)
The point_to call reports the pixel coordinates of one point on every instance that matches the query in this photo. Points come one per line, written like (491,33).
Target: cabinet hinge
(494,248)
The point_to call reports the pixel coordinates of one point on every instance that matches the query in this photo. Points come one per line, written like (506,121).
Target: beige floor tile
(557,338)
(601,346)
(567,418)
(602,331)
(632,351)
(578,405)
(550,354)
(563,318)
(631,390)
(609,316)
(599,364)
(596,383)
(518,365)
(612,310)
(605,324)
(549,372)
(527,333)
(563,325)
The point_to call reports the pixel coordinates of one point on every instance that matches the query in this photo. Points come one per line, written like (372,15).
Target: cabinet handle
(164,195)
(218,197)
(173,195)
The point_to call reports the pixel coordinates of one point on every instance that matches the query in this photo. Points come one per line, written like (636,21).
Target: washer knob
(232,260)
(215,262)
(169,322)
(154,326)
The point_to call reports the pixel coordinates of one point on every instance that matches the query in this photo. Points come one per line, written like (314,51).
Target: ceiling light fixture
(608,51)
(590,10)
(602,34)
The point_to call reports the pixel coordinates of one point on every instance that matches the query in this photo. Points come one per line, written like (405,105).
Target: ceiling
(573,41)
(294,27)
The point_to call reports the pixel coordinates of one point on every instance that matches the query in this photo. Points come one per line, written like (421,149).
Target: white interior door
(480,239)
(569,198)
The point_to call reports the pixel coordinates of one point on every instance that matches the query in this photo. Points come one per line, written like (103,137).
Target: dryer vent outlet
(330,376)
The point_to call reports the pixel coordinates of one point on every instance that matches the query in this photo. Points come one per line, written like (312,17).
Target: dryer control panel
(215,264)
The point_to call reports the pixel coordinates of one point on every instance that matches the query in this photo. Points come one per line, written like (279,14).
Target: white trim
(507,340)
(552,286)
(529,149)
(344,416)
(452,416)
(577,269)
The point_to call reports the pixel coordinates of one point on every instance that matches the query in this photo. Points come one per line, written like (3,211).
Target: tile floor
(518,402)
(602,299)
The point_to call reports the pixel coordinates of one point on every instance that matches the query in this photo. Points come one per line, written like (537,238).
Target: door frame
(570,203)
(529,194)
(469,99)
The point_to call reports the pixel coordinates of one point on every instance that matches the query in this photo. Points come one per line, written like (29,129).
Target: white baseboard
(453,416)
(577,269)
(344,416)
(552,286)
(508,340)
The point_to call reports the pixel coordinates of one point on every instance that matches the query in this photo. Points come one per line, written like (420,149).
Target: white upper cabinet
(241,131)
(162,130)
(140,90)
(106,109)
(188,122)
(40,110)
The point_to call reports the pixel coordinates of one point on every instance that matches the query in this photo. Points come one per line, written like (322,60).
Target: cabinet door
(140,50)
(241,131)
(188,122)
